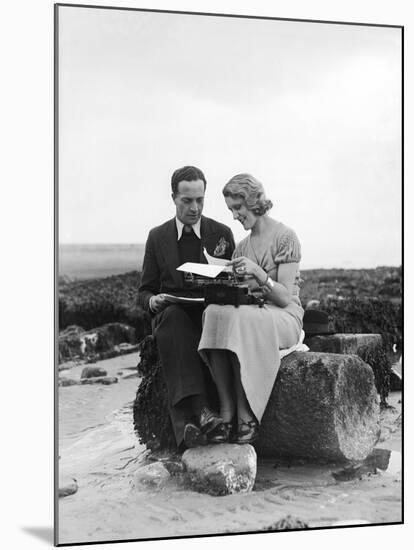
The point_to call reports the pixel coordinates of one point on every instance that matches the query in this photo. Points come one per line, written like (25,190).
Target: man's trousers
(177,331)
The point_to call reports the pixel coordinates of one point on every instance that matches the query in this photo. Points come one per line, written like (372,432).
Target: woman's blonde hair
(250,190)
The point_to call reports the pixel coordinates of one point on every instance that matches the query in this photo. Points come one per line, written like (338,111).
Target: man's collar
(196,228)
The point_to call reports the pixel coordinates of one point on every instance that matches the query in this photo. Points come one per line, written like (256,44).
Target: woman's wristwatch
(268,285)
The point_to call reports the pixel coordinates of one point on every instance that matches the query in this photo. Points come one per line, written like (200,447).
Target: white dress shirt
(180,227)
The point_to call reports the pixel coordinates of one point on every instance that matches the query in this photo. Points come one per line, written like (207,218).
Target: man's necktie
(187,229)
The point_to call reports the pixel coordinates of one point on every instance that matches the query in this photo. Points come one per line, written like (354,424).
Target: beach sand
(98,447)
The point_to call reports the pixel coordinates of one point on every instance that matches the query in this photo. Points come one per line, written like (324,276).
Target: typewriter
(226,288)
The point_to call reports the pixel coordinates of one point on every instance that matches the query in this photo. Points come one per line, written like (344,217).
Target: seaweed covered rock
(323,405)
(288,523)
(369,347)
(75,343)
(221,469)
(92,303)
(151,417)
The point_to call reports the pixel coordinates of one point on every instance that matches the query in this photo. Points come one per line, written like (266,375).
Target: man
(177,327)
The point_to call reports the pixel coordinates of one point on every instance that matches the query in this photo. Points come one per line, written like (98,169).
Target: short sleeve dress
(257,334)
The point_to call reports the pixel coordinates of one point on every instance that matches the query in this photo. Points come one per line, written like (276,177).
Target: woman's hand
(245,266)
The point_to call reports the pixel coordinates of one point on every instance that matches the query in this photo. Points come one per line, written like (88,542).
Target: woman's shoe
(221,434)
(247,432)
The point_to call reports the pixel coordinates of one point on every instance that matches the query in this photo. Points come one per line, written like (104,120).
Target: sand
(99,449)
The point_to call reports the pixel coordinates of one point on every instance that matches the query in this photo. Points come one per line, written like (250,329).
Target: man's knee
(173,315)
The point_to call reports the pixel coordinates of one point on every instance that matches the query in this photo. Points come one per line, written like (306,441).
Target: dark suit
(177,329)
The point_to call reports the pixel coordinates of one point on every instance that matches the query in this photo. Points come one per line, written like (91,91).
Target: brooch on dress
(221,247)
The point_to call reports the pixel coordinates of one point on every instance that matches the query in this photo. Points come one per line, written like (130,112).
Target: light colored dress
(257,334)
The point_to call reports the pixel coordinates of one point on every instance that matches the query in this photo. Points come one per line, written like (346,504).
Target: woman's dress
(256,334)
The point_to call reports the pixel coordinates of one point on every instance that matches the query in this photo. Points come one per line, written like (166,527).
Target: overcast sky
(312,110)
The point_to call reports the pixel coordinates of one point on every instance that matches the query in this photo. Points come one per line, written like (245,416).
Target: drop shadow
(43,533)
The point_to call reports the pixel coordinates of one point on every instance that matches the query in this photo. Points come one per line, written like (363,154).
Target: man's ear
(173,197)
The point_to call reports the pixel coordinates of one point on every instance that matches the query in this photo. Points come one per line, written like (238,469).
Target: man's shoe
(193,436)
(209,420)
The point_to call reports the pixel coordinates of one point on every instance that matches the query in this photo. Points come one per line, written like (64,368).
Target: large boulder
(369,347)
(323,405)
(221,469)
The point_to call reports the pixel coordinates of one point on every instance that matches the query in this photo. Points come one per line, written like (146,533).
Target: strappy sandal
(221,434)
(247,432)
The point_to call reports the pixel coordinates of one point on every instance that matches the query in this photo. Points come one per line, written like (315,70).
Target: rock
(89,372)
(369,347)
(174,467)
(328,407)
(343,343)
(63,381)
(323,405)
(221,469)
(150,411)
(154,474)
(106,380)
(287,523)
(70,343)
(74,342)
(67,486)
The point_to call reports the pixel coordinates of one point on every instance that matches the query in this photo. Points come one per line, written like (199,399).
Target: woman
(241,345)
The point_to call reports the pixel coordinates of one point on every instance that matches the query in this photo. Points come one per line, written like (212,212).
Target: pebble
(154,475)
(67,487)
(89,372)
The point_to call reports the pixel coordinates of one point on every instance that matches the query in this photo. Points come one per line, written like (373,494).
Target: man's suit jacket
(161,259)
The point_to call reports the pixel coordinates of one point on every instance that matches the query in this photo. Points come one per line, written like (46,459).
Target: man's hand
(157,303)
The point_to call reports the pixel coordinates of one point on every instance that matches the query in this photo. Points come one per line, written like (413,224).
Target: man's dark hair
(186,173)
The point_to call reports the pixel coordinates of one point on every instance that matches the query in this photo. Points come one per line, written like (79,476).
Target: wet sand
(99,448)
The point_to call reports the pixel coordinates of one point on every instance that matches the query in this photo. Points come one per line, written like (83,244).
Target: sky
(312,110)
